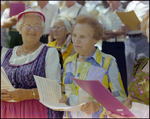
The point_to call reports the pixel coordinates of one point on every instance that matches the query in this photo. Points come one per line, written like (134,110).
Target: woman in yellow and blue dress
(89,63)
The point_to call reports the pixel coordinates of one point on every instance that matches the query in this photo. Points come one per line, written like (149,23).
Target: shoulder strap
(79,10)
(58,11)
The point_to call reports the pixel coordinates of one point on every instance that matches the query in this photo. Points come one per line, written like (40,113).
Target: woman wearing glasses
(22,62)
(62,38)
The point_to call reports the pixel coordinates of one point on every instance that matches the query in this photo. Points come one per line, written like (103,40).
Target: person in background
(69,10)
(60,33)
(13,37)
(136,45)
(89,63)
(138,99)
(113,38)
(82,2)
(48,10)
(3,30)
(22,62)
(62,37)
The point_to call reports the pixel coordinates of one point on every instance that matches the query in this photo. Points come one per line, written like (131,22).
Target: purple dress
(21,76)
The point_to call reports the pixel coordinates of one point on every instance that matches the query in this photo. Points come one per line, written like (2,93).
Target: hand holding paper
(112,115)
(129,18)
(50,95)
(90,107)
(5,86)
(103,96)
(5,83)
(125,28)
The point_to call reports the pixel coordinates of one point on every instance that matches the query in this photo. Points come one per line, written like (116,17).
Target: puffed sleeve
(53,67)
(115,81)
(5,15)
(3,52)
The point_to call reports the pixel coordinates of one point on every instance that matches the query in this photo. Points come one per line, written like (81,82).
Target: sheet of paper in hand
(5,83)
(103,96)
(50,95)
(129,18)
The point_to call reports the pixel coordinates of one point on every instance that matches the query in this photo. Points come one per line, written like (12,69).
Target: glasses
(28,26)
(57,28)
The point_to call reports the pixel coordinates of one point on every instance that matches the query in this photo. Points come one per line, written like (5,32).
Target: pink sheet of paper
(16,8)
(103,96)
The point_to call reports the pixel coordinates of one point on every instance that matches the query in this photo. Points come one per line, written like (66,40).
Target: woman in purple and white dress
(22,62)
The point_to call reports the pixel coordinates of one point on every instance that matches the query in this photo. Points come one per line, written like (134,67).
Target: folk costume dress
(139,90)
(20,71)
(99,66)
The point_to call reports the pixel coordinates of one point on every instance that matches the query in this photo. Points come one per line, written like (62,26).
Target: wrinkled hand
(90,107)
(62,100)
(112,115)
(20,94)
(5,96)
(125,28)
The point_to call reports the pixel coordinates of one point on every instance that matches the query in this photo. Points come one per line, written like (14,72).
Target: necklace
(28,50)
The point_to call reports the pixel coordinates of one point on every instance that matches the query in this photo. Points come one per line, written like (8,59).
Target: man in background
(113,38)
(136,44)
(70,10)
(9,22)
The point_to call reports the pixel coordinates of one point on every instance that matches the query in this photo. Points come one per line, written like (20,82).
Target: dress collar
(73,57)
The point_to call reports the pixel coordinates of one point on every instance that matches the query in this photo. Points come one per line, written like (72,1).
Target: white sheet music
(5,83)
(50,94)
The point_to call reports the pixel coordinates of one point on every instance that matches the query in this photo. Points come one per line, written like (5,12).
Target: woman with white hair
(62,37)
(24,61)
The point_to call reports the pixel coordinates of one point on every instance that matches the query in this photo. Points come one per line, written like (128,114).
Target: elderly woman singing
(88,64)
(22,62)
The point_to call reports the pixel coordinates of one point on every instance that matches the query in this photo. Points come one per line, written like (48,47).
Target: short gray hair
(20,22)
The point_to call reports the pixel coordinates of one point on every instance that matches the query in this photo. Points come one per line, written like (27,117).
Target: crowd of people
(59,41)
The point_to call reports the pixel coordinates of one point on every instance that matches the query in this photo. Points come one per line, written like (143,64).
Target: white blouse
(52,65)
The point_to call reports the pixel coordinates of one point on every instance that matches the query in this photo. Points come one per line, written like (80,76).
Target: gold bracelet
(33,93)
